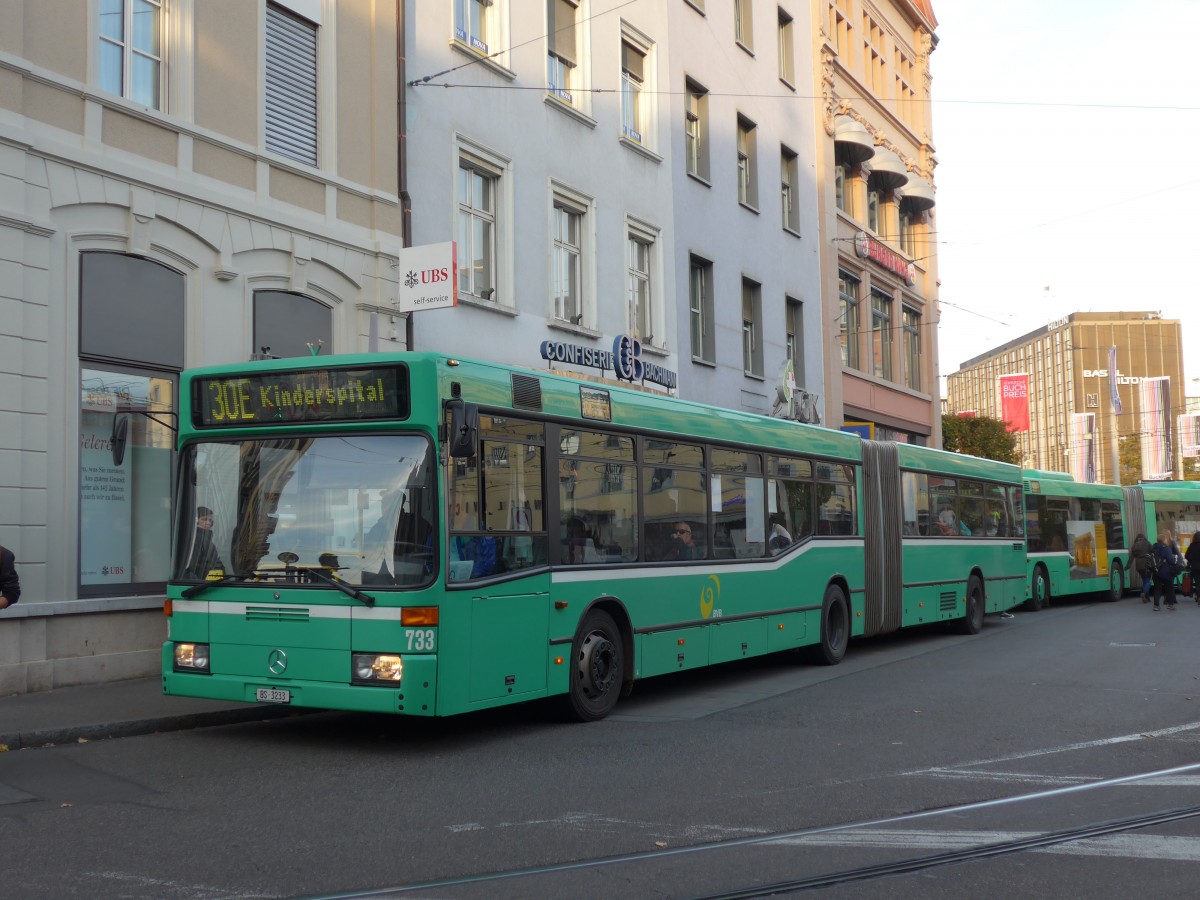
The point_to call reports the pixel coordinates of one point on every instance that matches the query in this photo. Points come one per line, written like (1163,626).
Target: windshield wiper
(365,599)
(201,588)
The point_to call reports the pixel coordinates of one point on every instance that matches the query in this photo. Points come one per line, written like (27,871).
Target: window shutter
(291,99)
(632,61)
(562,30)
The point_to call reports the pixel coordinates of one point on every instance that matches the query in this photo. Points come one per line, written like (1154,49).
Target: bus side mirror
(120,433)
(464,429)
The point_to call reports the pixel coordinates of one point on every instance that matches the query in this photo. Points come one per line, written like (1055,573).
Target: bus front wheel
(597,668)
(835,628)
(972,622)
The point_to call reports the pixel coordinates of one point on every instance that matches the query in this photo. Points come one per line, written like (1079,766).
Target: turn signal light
(419,615)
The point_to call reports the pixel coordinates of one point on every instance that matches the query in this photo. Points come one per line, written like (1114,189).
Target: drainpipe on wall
(402,157)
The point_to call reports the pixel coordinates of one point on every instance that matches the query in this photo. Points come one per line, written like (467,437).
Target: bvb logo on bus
(709,595)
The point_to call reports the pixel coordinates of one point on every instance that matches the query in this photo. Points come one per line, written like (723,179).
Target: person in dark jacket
(1143,564)
(204,557)
(1164,575)
(1193,560)
(10,584)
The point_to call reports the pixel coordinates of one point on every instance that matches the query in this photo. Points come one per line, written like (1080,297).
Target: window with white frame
(478,192)
(842,189)
(562,61)
(634,97)
(131,50)
(743,23)
(848,319)
(794,329)
(640,260)
(789,176)
(700,313)
(752,355)
(695,129)
(874,219)
(291,86)
(881,335)
(912,348)
(475,24)
(908,236)
(747,144)
(566,259)
(787,52)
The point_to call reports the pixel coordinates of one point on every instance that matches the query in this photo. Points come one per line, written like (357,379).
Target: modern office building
(614,170)
(181,183)
(875,169)
(1068,387)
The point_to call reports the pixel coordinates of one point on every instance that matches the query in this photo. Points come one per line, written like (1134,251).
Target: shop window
(131,347)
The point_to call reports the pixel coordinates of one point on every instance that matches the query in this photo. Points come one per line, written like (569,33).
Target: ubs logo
(277,662)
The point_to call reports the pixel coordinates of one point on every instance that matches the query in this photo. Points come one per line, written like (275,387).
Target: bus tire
(972,621)
(1040,595)
(1116,581)
(597,668)
(835,628)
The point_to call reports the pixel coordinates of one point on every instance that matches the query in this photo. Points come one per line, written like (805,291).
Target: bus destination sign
(304,395)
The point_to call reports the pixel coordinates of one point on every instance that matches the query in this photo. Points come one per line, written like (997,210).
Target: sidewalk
(114,709)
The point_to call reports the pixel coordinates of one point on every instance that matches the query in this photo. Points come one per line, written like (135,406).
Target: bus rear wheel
(597,668)
(835,628)
(1116,581)
(1040,595)
(972,622)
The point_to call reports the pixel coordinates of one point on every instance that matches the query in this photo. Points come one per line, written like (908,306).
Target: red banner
(1014,401)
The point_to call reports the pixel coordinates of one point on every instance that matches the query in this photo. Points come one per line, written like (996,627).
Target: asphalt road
(1056,754)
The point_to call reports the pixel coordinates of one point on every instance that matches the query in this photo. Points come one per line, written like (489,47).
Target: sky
(1067,136)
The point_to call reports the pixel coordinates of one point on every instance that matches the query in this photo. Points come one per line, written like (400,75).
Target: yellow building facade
(876,202)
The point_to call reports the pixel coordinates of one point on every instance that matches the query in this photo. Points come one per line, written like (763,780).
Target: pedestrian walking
(1164,574)
(1143,563)
(1193,562)
(10,584)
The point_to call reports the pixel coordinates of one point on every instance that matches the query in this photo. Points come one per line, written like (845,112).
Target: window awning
(853,144)
(919,195)
(887,172)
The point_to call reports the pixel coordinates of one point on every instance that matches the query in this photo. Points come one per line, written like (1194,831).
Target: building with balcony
(876,202)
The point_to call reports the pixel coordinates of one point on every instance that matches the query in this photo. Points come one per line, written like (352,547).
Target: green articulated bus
(1078,542)
(1164,506)
(421,535)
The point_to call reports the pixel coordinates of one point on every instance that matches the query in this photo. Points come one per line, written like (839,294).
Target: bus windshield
(290,509)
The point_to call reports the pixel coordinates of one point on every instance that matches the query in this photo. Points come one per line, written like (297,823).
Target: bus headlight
(191,657)
(376,668)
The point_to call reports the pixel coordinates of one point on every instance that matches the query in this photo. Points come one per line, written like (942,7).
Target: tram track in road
(987,851)
(843,834)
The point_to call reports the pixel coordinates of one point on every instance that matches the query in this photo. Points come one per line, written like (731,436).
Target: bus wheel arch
(1039,594)
(975,602)
(835,626)
(600,662)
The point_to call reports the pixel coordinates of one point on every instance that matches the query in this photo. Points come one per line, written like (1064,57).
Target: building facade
(1067,364)
(612,169)
(181,183)
(875,166)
